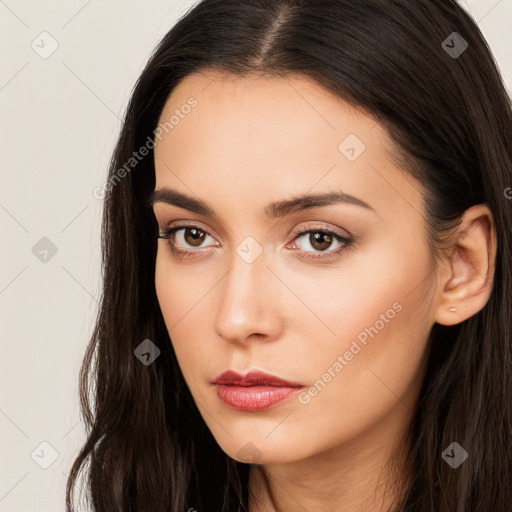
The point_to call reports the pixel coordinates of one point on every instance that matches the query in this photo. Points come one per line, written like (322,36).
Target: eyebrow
(274,210)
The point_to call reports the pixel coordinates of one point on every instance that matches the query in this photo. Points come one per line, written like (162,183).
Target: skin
(254,140)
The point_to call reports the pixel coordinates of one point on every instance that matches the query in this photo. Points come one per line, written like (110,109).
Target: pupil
(197,236)
(318,236)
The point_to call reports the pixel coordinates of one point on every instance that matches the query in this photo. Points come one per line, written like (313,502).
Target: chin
(261,451)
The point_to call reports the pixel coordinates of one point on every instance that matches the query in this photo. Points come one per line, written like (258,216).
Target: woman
(307,270)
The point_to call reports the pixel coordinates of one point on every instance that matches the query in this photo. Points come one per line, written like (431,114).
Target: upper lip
(253,378)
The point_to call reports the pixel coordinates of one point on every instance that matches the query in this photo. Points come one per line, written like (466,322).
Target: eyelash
(346,242)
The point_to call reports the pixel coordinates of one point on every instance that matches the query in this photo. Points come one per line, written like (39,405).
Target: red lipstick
(255,391)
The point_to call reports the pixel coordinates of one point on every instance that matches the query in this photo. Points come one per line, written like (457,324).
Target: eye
(185,236)
(321,239)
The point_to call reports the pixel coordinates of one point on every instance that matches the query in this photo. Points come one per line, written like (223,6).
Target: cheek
(180,288)
(179,295)
(186,296)
(378,287)
(369,358)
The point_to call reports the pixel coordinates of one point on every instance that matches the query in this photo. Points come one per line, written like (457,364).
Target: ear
(466,274)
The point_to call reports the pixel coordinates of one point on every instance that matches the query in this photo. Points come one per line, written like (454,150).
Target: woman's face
(347,322)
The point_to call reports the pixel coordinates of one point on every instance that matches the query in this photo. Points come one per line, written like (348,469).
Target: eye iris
(316,237)
(197,237)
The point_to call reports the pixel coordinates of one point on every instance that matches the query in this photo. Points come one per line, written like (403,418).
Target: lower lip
(254,398)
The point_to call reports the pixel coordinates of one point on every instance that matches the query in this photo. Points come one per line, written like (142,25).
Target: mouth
(255,391)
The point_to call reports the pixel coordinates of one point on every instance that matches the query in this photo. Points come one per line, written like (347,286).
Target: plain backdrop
(67,71)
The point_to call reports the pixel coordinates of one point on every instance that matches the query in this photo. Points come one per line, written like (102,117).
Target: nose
(248,299)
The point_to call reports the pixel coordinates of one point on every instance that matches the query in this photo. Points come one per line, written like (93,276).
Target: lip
(255,391)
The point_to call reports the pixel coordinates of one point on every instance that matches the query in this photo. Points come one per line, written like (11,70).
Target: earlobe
(467,280)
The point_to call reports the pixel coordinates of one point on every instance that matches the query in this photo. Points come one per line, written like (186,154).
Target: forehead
(270,101)
(260,133)
(268,119)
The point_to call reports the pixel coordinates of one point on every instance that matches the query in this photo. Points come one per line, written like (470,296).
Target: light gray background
(60,118)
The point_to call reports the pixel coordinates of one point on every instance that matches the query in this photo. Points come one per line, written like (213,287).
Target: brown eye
(316,243)
(320,241)
(185,240)
(194,236)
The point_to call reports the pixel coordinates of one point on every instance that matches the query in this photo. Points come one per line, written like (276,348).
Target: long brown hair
(442,100)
